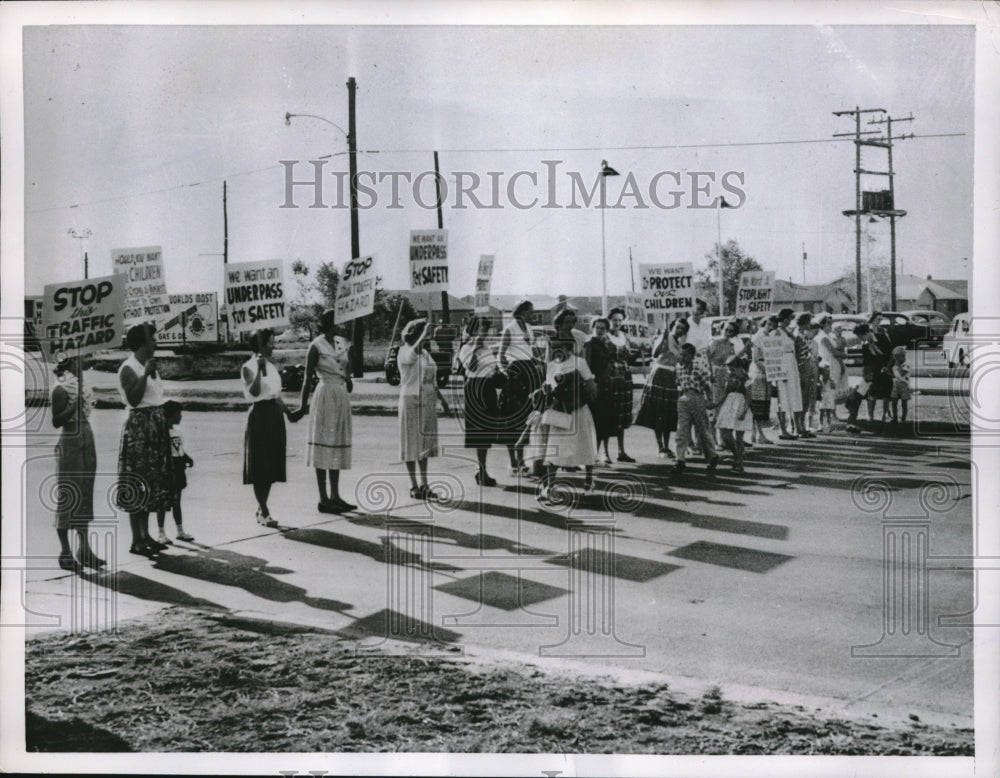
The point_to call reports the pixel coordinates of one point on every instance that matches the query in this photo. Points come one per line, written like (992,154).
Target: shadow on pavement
(384,552)
(145,589)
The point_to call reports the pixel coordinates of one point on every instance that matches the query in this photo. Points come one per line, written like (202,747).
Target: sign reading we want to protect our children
(146,289)
(81,317)
(667,288)
(255,295)
(429,260)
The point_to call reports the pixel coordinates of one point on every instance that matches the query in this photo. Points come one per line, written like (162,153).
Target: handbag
(558,419)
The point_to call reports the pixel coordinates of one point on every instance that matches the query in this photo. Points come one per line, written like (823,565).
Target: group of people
(553,403)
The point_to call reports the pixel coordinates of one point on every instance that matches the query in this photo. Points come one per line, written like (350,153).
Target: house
(916,293)
(831,297)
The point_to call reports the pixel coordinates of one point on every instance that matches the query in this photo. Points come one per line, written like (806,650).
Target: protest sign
(194,319)
(146,293)
(429,260)
(484,279)
(255,295)
(667,288)
(356,290)
(773,348)
(756,293)
(81,317)
(635,311)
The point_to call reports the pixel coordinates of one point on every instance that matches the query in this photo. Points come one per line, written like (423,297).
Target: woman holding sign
(76,462)
(329,446)
(264,441)
(145,470)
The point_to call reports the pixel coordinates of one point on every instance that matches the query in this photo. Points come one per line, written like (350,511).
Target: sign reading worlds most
(756,292)
(355,290)
(667,288)
(429,260)
(194,319)
(81,317)
(255,295)
(146,293)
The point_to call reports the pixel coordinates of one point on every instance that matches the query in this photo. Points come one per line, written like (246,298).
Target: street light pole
(81,235)
(605,172)
(718,252)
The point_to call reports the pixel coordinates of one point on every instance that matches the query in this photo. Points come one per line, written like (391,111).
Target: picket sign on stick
(81,317)
(755,294)
(667,288)
(356,290)
(146,297)
(255,295)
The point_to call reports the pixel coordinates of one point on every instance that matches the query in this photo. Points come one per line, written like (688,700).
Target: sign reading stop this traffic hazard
(356,290)
(255,295)
(429,260)
(81,317)
(667,288)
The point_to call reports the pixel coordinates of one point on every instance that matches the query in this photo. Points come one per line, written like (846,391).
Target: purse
(558,419)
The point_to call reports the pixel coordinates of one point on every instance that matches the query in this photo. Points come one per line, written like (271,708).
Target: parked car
(956,346)
(442,351)
(290,336)
(902,331)
(292,377)
(938,324)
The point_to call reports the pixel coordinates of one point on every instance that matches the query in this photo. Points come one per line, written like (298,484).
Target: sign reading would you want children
(255,295)
(146,290)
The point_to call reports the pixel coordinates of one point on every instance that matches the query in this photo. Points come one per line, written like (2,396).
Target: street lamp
(606,171)
(81,235)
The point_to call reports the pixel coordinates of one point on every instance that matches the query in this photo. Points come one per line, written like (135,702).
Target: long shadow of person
(251,573)
(386,551)
(124,582)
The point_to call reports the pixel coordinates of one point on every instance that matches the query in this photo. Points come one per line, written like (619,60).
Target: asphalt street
(800,577)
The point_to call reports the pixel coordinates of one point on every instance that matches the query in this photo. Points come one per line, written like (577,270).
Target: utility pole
(225,227)
(856,213)
(358,325)
(445,312)
(631,268)
(891,212)
(803,262)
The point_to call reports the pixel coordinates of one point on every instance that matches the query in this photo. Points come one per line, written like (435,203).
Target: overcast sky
(130,132)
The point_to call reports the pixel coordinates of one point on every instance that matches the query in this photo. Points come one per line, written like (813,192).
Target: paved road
(766,580)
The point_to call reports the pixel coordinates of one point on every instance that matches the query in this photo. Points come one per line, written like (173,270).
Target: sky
(131,130)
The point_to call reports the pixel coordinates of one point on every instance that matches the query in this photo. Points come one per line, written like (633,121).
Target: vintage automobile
(847,322)
(902,330)
(956,345)
(938,324)
(443,340)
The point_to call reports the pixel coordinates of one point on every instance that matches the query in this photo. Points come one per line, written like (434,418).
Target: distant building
(914,292)
(831,297)
(422,302)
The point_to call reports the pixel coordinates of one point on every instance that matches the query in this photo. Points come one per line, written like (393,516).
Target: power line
(370,154)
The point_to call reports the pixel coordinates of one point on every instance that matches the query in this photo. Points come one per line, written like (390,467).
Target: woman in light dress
(418,398)
(328,450)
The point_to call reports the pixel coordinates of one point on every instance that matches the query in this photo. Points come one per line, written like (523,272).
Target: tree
(878,272)
(734,262)
(379,323)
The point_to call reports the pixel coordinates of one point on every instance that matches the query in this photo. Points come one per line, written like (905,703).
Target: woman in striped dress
(328,450)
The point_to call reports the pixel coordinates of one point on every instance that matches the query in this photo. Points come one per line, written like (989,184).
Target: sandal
(66,562)
(417,493)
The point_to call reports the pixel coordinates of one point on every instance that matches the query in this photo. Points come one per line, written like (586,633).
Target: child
(180,462)
(900,382)
(734,419)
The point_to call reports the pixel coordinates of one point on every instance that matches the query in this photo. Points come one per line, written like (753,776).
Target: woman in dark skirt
(599,354)
(482,407)
(264,440)
(145,470)
(658,406)
(523,376)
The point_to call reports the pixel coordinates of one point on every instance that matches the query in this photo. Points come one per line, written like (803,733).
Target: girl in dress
(264,439)
(145,470)
(900,383)
(76,464)
(418,396)
(734,419)
(329,446)
(572,441)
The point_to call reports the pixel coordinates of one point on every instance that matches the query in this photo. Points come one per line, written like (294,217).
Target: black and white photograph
(493,389)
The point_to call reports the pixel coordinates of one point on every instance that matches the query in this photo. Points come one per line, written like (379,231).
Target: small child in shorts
(180,461)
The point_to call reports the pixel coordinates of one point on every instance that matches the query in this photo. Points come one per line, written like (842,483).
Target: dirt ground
(194,681)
